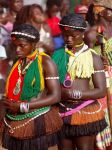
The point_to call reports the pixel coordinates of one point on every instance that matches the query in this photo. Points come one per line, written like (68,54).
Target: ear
(34,46)
(82,34)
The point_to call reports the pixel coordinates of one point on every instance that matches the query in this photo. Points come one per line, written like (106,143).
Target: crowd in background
(44,15)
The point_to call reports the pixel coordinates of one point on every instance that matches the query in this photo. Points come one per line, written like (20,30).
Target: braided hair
(25,31)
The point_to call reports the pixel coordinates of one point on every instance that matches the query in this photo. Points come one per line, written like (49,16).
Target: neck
(77,47)
(36,25)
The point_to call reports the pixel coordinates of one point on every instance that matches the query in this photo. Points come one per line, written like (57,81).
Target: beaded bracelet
(76,94)
(24,107)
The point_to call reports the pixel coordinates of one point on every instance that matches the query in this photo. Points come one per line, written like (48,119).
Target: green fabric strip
(61,58)
(29,90)
(37,112)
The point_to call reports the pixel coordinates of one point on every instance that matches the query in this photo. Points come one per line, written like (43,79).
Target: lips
(19,54)
(69,43)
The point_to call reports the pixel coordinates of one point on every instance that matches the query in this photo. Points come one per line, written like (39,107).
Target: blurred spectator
(74,3)
(2,53)
(42,3)
(86,2)
(65,8)
(34,15)
(4,35)
(3,69)
(5,26)
(14,7)
(53,13)
(81,9)
(4,17)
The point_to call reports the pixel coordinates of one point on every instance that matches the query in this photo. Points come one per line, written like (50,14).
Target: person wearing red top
(53,18)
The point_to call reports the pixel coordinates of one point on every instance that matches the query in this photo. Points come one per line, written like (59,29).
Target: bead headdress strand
(23,34)
(74,27)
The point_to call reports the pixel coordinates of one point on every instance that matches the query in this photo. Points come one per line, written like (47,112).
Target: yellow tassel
(40,69)
(82,66)
(7,82)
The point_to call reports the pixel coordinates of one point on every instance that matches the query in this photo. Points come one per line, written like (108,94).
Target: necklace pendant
(67,82)
(17,87)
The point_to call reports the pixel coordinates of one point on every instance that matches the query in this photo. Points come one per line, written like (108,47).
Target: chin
(20,56)
(69,46)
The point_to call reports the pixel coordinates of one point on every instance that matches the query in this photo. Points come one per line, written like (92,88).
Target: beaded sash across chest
(21,72)
(27,83)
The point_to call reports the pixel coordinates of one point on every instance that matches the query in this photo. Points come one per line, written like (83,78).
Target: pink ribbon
(68,113)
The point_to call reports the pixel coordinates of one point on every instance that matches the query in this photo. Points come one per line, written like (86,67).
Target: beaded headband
(24,34)
(74,27)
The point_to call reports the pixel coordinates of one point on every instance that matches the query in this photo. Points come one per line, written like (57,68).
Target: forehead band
(23,34)
(74,27)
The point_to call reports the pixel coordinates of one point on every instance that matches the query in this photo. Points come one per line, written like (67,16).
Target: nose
(18,49)
(69,38)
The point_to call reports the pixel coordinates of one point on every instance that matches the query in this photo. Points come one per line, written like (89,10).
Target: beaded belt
(34,113)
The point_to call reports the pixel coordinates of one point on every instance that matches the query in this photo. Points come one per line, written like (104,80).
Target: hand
(64,93)
(12,105)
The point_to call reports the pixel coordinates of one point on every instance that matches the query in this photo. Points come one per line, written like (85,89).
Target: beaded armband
(99,71)
(52,78)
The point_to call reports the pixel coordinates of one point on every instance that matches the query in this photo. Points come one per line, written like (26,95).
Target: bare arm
(90,38)
(99,81)
(52,86)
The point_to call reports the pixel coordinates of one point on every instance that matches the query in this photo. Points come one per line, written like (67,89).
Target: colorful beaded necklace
(21,72)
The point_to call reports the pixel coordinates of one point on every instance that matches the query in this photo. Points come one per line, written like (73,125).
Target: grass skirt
(47,133)
(90,120)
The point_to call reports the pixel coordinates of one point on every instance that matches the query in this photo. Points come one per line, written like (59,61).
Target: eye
(22,45)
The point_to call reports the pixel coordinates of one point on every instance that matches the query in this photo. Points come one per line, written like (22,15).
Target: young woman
(31,121)
(80,110)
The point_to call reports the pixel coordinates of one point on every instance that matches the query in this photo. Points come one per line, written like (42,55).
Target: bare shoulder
(97,61)
(48,65)
(90,36)
(91,33)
